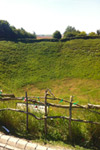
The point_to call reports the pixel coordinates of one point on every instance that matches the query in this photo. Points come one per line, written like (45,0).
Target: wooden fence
(49,96)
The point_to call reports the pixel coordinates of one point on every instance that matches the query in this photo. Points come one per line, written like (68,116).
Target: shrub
(57,35)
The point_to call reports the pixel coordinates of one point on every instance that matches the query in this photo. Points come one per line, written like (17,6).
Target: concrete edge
(13,143)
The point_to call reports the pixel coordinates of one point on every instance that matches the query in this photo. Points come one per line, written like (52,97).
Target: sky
(47,16)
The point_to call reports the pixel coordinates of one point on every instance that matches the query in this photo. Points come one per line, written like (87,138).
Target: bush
(57,35)
(93,131)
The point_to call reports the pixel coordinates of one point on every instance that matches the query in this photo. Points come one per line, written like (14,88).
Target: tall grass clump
(93,131)
(78,136)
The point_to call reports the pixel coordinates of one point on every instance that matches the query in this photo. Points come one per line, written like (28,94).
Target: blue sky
(47,16)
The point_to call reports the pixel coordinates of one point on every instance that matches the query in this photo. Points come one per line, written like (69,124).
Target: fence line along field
(31,106)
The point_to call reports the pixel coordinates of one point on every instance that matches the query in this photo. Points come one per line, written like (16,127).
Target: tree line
(10,32)
(71,32)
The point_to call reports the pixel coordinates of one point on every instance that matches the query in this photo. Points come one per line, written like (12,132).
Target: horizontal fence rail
(88,106)
(50,117)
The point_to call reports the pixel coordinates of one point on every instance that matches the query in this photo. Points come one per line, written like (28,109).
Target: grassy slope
(68,68)
(50,64)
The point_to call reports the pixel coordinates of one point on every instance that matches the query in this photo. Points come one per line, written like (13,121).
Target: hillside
(23,64)
(67,68)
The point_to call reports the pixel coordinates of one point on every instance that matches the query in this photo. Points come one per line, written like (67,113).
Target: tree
(71,32)
(57,35)
(70,29)
(98,32)
(10,32)
(34,34)
(92,34)
(5,30)
(82,33)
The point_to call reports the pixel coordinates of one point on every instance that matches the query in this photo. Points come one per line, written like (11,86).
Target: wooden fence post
(45,120)
(26,111)
(70,116)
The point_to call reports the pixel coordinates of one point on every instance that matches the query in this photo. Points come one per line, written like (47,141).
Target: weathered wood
(7,95)
(88,107)
(10,98)
(45,120)
(49,104)
(50,117)
(54,98)
(21,111)
(51,93)
(26,111)
(70,117)
(93,106)
(65,106)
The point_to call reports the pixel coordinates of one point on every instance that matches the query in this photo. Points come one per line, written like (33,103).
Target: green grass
(29,63)
(67,68)
(83,135)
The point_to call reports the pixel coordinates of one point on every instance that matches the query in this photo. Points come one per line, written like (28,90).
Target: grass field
(67,68)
